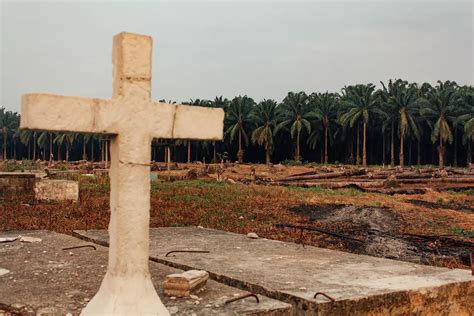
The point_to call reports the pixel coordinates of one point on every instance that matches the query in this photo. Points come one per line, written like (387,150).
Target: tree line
(360,125)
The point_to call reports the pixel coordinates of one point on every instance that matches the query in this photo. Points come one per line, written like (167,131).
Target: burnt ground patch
(379,229)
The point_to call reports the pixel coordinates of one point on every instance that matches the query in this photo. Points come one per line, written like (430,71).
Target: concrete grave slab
(45,277)
(359,284)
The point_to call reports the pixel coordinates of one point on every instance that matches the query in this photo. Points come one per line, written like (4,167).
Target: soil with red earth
(434,227)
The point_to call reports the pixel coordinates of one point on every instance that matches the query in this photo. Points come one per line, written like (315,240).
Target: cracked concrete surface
(288,272)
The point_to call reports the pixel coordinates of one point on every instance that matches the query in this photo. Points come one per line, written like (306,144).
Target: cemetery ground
(433,226)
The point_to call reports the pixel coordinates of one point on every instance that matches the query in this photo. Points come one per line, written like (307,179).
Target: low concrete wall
(57,190)
(17,186)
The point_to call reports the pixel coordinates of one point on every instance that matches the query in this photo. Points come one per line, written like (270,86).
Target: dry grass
(240,208)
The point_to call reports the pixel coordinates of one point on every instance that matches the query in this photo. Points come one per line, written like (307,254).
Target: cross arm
(187,122)
(60,113)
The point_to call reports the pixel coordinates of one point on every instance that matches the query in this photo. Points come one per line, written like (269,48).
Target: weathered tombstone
(133,120)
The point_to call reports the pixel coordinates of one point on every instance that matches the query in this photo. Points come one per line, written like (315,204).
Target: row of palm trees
(400,108)
(399,114)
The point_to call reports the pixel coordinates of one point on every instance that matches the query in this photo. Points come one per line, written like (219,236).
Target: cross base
(126,295)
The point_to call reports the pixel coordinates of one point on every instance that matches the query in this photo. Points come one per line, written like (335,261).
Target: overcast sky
(206,49)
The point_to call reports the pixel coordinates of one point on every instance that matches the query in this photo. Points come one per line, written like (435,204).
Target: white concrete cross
(133,120)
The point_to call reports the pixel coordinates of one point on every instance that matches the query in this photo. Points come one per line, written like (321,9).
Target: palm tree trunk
(214,155)
(392,147)
(469,153)
(240,154)
(84,153)
(364,146)
(51,146)
(297,154)
(402,153)
(5,146)
(441,153)
(383,151)
(418,151)
(455,162)
(106,154)
(189,151)
(358,146)
(325,145)
(34,146)
(410,151)
(350,149)
(67,153)
(101,150)
(92,150)
(59,153)
(267,155)
(168,158)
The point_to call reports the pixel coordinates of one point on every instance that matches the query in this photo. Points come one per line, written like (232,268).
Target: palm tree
(238,120)
(359,102)
(296,113)
(440,111)
(86,138)
(66,139)
(42,141)
(25,139)
(324,108)
(265,117)
(406,102)
(466,119)
(8,124)
(390,111)
(223,103)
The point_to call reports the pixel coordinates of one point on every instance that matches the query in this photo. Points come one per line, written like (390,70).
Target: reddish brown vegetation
(257,208)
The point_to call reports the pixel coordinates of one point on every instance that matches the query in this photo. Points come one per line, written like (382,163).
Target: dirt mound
(378,227)
(374,218)
(375,223)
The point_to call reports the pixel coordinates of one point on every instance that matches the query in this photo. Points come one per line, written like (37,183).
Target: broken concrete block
(30,239)
(17,186)
(8,239)
(59,190)
(3,271)
(183,284)
(252,236)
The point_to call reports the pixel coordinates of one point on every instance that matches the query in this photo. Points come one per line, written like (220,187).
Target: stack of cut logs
(382,180)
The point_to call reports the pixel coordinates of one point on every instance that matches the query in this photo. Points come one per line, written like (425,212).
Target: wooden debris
(183,284)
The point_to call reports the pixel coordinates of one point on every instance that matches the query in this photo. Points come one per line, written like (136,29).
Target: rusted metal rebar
(190,251)
(325,295)
(319,231)
(83,246)
(241,297)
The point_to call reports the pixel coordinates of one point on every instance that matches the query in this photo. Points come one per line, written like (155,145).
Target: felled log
(183,284)
(334,185)
(438,180)
(348,173)
(413,175)
(392,191)
(459,172)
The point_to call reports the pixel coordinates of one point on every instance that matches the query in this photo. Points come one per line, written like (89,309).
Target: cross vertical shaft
(129,173)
